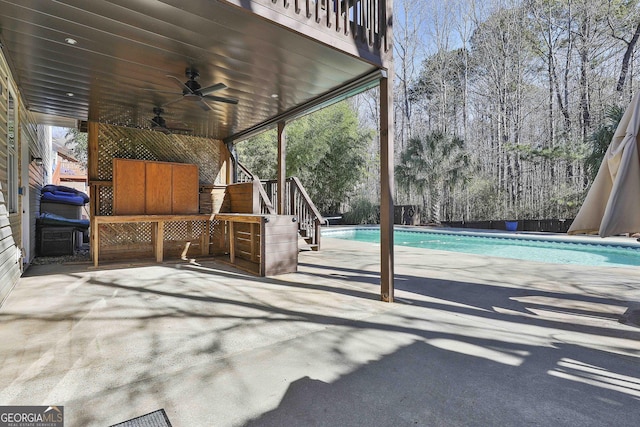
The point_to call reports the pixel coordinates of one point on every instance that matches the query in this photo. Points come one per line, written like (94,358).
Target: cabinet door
(158,189)
(128,187)
(185,183)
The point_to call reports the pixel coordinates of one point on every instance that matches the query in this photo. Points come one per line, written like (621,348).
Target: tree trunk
(625,59)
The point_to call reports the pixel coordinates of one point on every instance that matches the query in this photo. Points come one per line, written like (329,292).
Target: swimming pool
(526,247)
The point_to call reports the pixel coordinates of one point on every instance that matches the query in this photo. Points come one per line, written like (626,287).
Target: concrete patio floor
(471,341)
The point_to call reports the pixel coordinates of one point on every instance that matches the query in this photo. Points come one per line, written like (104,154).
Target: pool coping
(613,241)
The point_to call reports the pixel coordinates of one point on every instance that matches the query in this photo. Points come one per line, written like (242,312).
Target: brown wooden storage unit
(156,214)
(263,244)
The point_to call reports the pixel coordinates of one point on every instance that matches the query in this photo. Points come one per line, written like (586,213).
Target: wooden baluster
(363,20)
(368,28)
(346,17)
(377,22)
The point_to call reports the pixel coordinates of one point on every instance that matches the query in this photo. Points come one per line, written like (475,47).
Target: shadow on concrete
(423,385)
(480,353)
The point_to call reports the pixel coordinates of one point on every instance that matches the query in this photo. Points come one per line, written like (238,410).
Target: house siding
(35,174)
(9,263)
(11,236)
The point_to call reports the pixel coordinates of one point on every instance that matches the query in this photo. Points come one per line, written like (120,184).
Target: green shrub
(362,211)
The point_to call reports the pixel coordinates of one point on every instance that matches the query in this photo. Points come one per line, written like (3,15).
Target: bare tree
(407,51)
(621,18)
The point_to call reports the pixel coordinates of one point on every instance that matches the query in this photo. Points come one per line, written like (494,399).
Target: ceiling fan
(193,91)
(158,123)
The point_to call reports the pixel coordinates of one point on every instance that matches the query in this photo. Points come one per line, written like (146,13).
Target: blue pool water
(534,248)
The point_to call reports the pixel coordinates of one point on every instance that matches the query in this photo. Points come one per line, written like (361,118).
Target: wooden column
(205,238)
(282,168)
(232,243)
(94,197)
(157,237)
(386,187)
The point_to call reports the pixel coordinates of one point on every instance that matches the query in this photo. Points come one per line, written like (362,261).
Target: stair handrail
(311,222)
(307,199)
(309,218)
(266,207)
(244,175)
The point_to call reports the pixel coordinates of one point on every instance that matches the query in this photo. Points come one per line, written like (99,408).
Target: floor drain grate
(152,419)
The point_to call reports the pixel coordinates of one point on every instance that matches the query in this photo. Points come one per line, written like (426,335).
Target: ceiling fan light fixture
(193,91)
(158,123)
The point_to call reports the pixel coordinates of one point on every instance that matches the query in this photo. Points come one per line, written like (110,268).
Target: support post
(386,186)
(94,200)
(282,168)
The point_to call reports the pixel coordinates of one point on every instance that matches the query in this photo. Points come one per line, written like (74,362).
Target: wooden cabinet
(128,187)
(154,188)
(265,245)
(158,188)
(185,189)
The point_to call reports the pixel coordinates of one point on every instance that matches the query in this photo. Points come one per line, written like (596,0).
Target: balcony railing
(365,21)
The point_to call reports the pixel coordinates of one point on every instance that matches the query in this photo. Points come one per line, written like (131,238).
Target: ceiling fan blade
(180,84)
(173,101)
(178,126)
(156,127)
(213,88)
(221,99)
(204,105)
(161,91)
(179,129)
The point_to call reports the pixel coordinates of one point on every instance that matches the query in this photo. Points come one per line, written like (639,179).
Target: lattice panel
(183,230)
(125,234)
(140,144)
(119,142)
(105,200)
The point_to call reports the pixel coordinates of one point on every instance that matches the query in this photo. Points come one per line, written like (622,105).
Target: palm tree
(430,165)
(601,139)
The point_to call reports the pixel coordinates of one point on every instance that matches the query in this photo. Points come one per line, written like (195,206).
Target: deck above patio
(358,27)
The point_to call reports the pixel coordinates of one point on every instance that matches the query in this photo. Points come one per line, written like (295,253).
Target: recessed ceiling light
(70,94)
(71,41)
(274,95)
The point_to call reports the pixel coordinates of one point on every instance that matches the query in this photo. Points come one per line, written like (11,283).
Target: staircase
(297,203)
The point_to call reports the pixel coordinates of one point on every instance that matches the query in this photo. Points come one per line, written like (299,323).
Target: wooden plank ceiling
(116,72)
